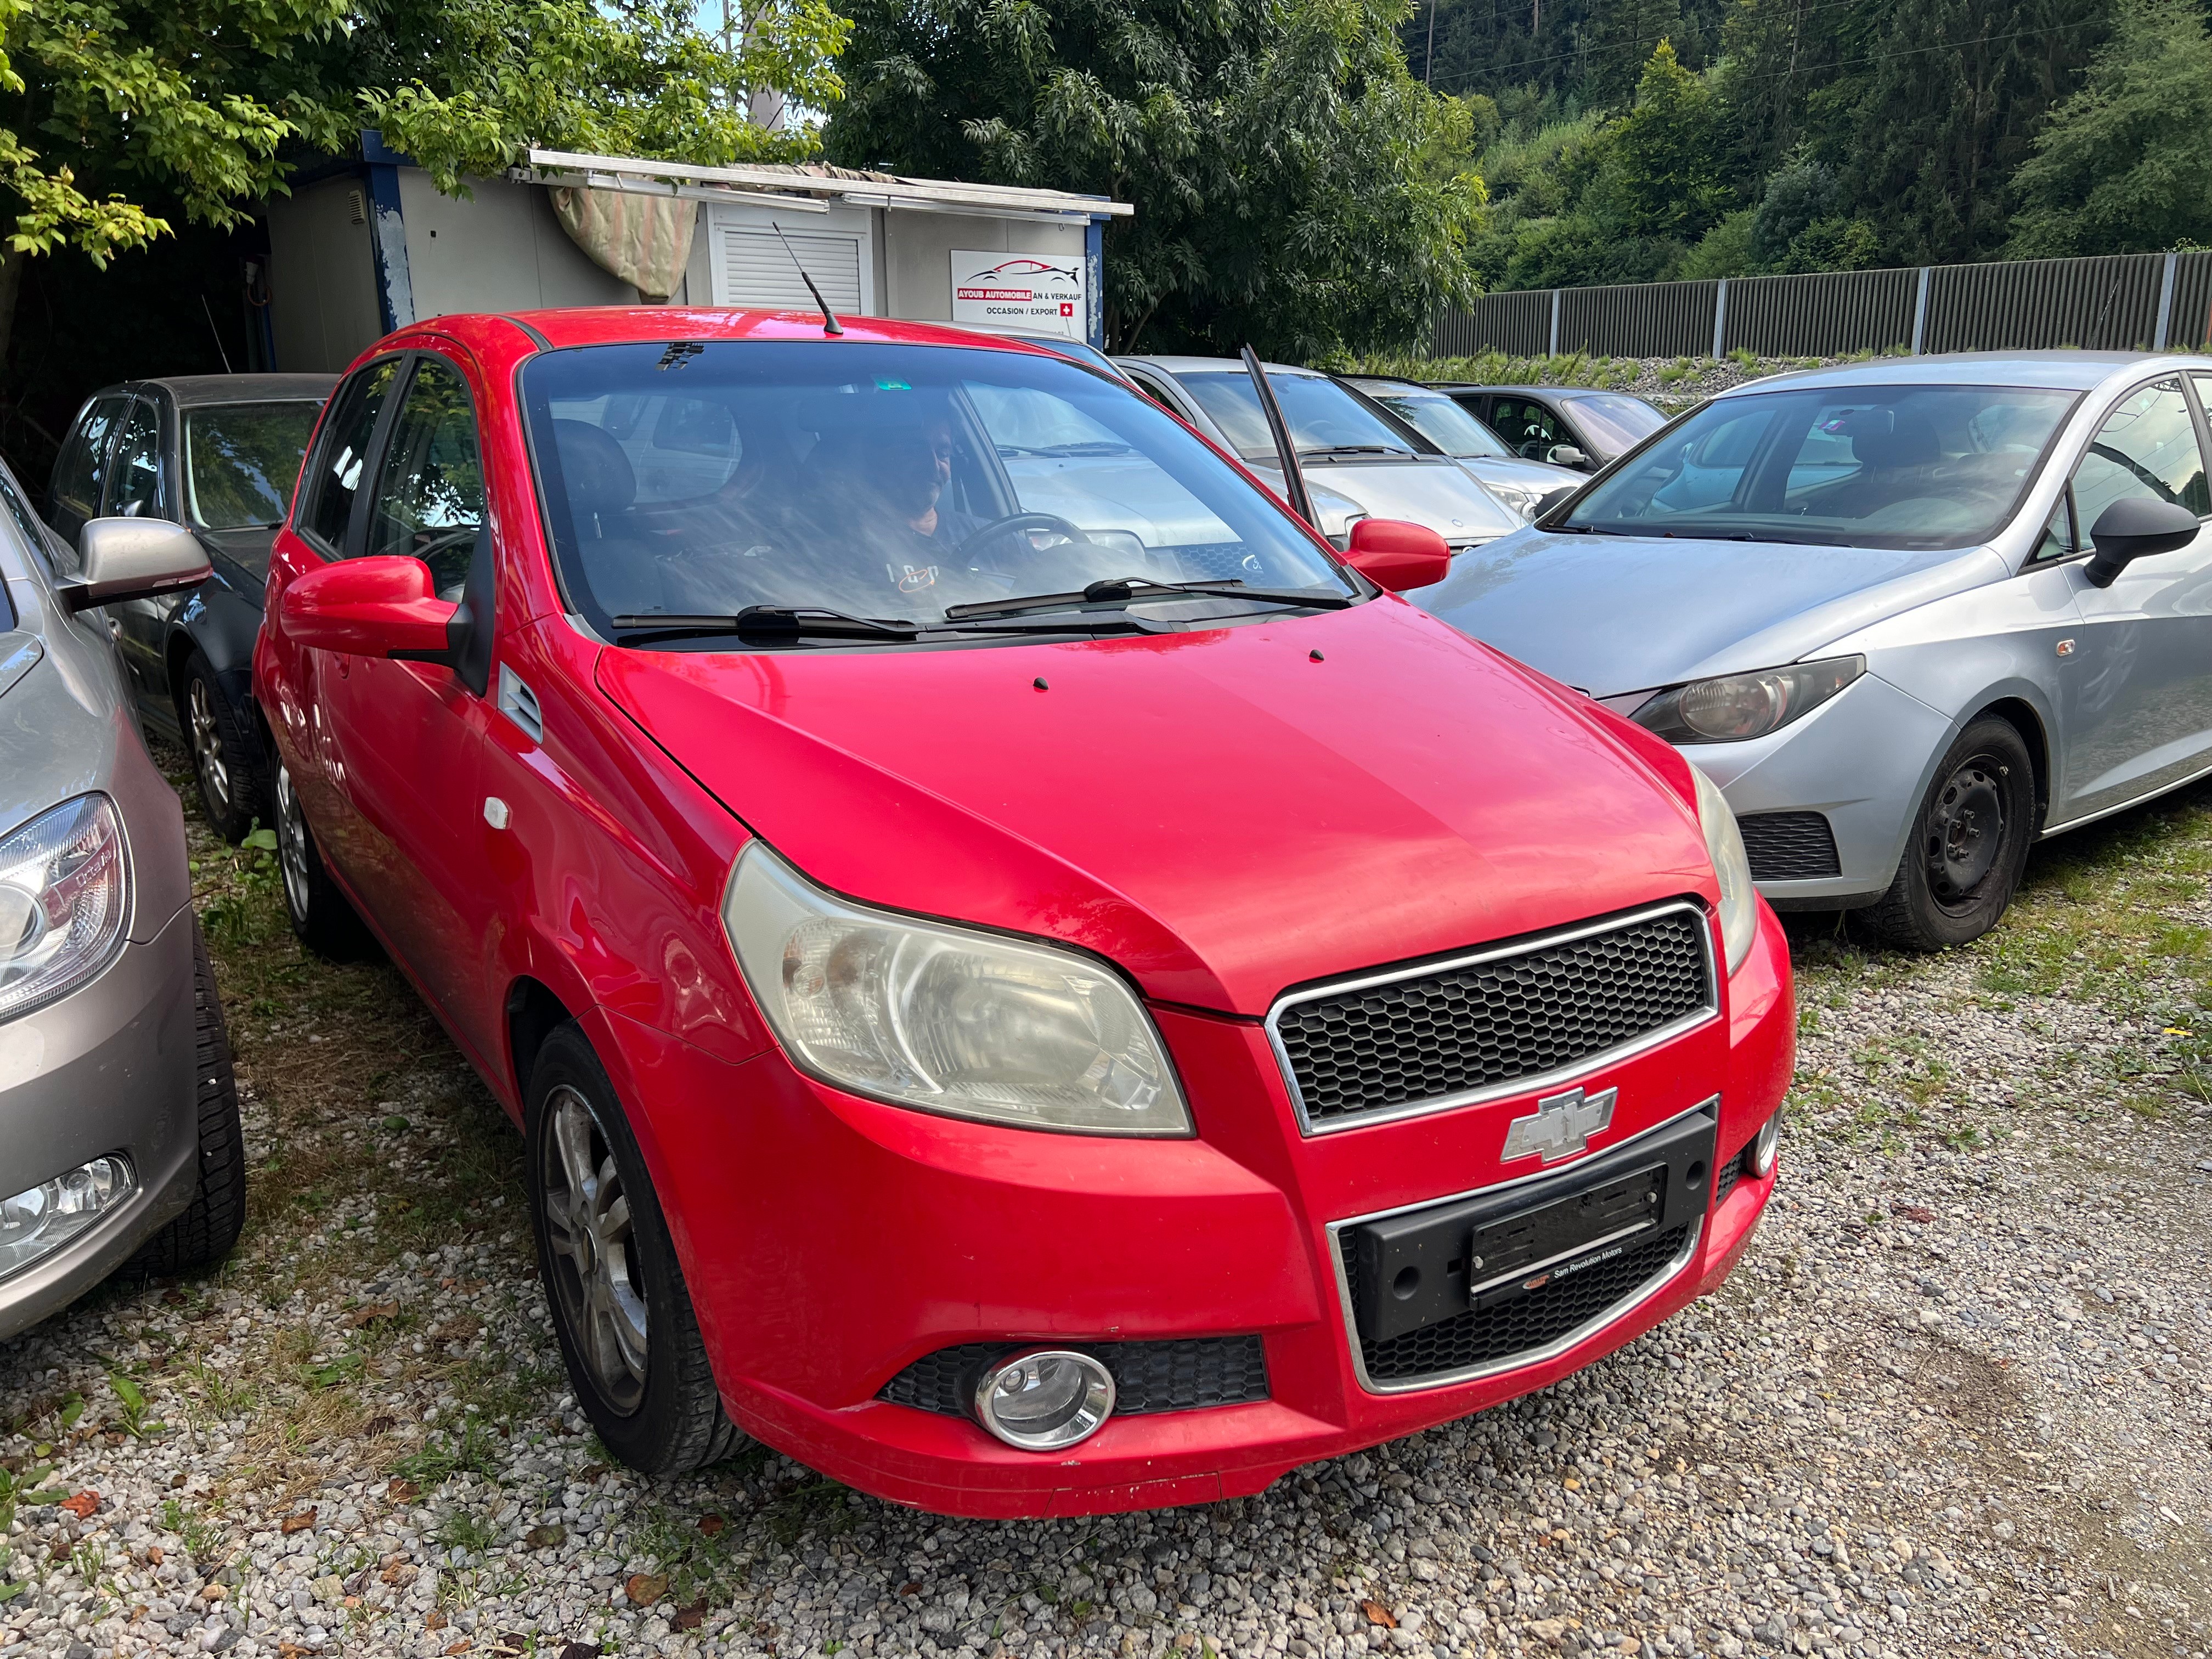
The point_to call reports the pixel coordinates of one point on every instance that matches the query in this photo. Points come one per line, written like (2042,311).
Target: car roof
(583,325)
(194,391)
(2064,370)
(1536,390)
(1215,365)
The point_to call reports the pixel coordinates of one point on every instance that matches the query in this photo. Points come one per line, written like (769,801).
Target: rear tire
(1969,844)
(625,1320)
(204,1233)
(229,763)
(322,916)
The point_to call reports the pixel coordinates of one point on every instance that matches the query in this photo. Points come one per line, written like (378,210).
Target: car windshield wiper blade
(788,621)
(1358,449)
(1130,590)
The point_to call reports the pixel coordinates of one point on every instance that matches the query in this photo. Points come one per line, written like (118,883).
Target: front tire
(323,917)
(1969,844)
(229,763)
(204,1233)
(626,1330)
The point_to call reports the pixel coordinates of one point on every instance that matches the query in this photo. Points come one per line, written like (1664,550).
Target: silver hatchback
(1909,616)
(119,1119)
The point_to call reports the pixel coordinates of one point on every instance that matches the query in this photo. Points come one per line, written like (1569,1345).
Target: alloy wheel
(1966,830)
(292,854)
(596,1277)
(207,743)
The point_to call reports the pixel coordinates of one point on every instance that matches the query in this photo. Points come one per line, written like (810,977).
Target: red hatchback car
(1028,982)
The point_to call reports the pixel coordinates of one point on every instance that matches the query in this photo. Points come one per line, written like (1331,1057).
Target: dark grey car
(1566,426)
(119,1119)
(218,453)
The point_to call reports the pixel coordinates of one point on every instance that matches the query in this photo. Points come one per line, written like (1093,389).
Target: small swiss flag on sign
(1067,307)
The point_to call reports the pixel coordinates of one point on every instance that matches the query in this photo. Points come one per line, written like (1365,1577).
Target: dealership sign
(1042,292)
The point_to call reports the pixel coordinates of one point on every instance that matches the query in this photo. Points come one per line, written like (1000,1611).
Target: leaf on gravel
(461,1646)
(299,1522)
(545,1538)
(646,1588)
(84,1505)
(581,1650)
(294,1651)
(378,1424)
(1378,1614)
(399,1572)
(127,1392)
(1913,1213)
(375,1310)
(690,1618)
(510,1643)
(401,1490)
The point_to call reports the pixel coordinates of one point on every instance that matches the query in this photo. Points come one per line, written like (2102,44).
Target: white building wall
(500,249)
(918,254)
(322,275)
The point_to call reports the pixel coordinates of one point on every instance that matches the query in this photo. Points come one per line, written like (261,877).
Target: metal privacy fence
(2121,303)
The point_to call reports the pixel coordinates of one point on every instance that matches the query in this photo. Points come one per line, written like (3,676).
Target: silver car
(1909,616)
(1349,453)
(1526,487)
(118,1118)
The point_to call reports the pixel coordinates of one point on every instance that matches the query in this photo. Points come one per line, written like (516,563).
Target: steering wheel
(1021,521)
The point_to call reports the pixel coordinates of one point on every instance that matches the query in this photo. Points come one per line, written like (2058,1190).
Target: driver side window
(1527,427)
(429,500)
(2147,447)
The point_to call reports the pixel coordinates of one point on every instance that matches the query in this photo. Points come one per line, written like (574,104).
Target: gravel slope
(1957,1400)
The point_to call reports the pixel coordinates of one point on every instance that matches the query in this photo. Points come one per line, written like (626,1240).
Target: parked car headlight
(1737,707)
(1724,845)
(1519,499)
(923,1014)
(65,894)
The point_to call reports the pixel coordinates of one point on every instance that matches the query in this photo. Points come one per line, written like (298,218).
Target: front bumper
(1861,760)
(109,1068)
(829,1243)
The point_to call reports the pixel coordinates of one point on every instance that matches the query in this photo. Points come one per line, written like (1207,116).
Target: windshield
(1438,419)
(241,461)
(884,480)
(1321,415)
(1614,421)
(1903,467)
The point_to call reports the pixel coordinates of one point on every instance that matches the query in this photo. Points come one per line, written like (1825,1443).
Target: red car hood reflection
(1224,814)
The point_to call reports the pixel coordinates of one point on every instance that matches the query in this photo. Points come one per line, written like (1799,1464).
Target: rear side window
(343,457)
(83,465)
(134,477)
(2147,447)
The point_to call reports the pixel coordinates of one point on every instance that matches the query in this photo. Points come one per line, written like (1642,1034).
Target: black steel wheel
(626,1330)
(227,761)
(321,915)
(1969,844)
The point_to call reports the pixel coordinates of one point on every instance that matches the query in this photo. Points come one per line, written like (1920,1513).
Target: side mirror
(2133,528)
(376,607)
(122,559)
(1397,556)
(1566,455)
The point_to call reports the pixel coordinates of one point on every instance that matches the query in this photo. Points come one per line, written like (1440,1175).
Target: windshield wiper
(1357,449)
(1129,590)
(788,621)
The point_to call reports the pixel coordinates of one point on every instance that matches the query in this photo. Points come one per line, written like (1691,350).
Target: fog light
(1045,1402)
(1762,1146)
(45,1216)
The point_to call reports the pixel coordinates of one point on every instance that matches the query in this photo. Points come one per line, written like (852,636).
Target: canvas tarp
(644,239)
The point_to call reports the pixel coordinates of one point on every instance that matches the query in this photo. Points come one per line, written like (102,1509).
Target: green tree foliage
(2126,164)
(1293,186)
(1665,178)
(468,86)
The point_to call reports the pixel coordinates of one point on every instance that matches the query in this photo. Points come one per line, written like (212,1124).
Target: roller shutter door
(753,267)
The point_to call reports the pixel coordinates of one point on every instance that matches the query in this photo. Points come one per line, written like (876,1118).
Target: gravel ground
(1956,1402)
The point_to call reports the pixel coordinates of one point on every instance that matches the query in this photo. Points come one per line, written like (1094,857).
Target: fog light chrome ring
(1044,1399)
(1764,1146)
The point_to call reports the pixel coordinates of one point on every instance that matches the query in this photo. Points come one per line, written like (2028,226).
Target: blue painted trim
(387,233)
(1094,260)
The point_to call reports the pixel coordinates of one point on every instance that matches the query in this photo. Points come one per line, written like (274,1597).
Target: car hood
(1438,493)
(1223,813)
(1540,475)
(241,557)
(1611,614)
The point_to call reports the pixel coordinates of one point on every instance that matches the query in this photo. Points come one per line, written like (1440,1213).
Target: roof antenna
(218,332)
(829,323)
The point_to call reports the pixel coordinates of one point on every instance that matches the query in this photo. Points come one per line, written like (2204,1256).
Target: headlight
(64,892)
(1517,499)
(949,1020)
(1724,844)
(1741,705)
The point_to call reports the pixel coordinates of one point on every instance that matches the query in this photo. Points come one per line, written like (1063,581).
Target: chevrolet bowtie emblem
(1560,1127)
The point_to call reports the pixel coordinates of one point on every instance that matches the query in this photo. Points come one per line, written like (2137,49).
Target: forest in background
(1630,141)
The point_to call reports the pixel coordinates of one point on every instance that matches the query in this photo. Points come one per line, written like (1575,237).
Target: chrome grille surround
(1531,1083)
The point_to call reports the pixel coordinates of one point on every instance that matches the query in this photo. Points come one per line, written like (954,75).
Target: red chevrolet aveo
(1028,982)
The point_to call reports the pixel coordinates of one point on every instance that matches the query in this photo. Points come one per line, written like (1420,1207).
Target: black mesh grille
(1492,1022)
(1148,1376)
(1790,846)
(1731,1172)
(1533,1320)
